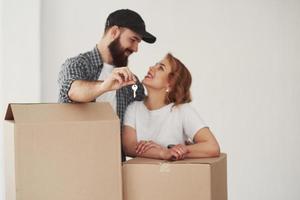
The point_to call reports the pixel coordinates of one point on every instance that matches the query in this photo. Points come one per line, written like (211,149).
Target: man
(102,74)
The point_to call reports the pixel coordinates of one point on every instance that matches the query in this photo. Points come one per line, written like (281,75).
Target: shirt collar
(96,57)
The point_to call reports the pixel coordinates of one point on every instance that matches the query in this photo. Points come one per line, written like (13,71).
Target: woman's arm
(142,149)
(205,145)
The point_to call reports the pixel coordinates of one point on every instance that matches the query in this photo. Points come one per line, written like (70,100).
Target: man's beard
(118,53)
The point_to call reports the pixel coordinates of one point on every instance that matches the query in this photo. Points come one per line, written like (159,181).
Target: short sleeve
(72,69)
(192,122)
(130,115)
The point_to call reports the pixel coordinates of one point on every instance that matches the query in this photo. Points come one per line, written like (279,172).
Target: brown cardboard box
(190,179)
(62,152)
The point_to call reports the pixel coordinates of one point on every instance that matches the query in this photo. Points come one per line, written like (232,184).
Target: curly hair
(180,81)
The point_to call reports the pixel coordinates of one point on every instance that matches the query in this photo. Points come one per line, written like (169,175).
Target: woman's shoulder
(184,107)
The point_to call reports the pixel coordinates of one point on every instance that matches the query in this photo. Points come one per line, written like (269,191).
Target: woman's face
(157,76)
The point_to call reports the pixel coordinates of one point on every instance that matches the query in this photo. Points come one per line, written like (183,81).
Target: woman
(159,126)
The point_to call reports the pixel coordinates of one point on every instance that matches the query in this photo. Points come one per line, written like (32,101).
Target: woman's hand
(143,146)
(178,152)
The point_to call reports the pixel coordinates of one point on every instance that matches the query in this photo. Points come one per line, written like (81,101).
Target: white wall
(1,103)
(243,55)
(19,58)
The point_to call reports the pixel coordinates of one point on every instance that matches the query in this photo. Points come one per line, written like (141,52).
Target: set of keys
(134,87)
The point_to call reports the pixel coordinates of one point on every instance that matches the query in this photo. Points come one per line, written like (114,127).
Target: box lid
(56,112)
(185,161)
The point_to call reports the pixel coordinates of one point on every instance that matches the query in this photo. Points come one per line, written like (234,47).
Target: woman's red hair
(180,81)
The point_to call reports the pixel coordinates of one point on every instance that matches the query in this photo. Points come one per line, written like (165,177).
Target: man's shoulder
(88,61)
(82,58)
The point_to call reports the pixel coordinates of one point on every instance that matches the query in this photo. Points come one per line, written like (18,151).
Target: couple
(156,126)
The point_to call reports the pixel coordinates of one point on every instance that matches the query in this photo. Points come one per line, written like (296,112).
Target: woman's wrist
(163,154)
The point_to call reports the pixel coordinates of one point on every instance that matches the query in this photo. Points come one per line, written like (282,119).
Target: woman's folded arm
(205,145)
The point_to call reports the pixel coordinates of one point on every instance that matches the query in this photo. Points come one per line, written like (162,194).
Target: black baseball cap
(132,20)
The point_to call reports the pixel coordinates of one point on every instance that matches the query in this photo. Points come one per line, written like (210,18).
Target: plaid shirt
(88,66)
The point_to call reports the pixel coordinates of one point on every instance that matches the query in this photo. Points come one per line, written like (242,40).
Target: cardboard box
(190,179)
(62,152)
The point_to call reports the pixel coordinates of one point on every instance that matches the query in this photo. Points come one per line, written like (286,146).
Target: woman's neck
(155,99)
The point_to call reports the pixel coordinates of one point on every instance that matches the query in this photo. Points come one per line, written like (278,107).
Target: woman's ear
(168,88)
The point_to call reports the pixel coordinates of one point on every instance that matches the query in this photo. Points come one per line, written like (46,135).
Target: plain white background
(244,57)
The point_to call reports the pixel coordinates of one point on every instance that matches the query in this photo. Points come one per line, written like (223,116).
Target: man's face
(123,46)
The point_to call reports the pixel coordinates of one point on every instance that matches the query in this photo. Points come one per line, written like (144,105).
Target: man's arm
(85,91)
(74,85)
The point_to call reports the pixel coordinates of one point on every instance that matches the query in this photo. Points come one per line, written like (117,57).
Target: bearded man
(102,73)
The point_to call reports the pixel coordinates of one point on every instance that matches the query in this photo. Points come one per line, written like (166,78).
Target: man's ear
(114,32)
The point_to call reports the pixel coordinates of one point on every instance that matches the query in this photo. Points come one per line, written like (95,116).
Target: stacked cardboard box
(192,179)
(62,152)
(72,152)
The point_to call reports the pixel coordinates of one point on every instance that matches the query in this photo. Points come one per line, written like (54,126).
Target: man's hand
(119,77)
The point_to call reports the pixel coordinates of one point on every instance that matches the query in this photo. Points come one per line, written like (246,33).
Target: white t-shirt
(167,125)
(111,95)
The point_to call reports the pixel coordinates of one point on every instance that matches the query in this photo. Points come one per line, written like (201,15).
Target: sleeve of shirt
(130,115)
(72,69)
(192,122)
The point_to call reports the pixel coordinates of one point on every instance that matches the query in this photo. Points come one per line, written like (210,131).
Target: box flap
(185,161)
(9,114)
(55,112)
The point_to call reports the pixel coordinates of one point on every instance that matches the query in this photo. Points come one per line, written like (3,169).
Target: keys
(134,88)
